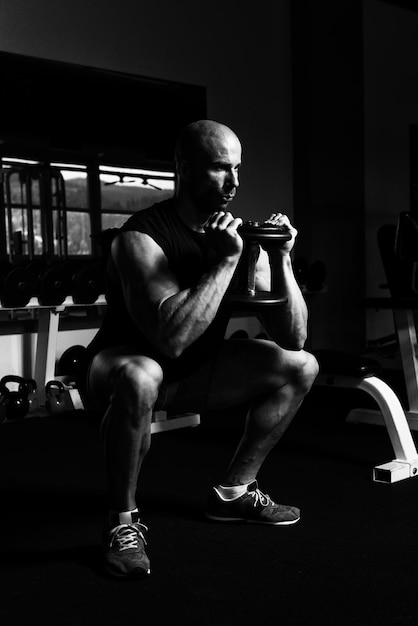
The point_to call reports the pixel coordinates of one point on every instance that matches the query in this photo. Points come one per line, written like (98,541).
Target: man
(162,346)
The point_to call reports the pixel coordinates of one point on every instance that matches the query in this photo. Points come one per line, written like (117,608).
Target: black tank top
(188,257)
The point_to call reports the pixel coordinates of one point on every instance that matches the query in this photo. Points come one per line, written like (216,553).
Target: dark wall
(329,163)
(117,117)
(239,51)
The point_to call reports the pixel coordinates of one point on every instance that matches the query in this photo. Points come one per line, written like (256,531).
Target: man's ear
(183,169)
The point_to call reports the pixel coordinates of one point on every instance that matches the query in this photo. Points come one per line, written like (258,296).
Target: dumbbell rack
(45,360)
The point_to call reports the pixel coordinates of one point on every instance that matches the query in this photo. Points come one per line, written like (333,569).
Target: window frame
(94,171)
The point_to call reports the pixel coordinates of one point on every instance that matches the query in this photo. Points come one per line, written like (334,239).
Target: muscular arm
(172,318)
(286,324)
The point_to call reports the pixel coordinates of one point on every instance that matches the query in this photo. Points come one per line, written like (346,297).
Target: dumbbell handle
(250,265)
(253,233)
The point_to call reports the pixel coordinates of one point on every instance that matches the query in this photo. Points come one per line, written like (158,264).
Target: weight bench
(338,369)
(398,246)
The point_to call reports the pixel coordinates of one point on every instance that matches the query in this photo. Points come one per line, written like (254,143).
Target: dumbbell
(88,283)
(244,295)
(17,285)
(85,280)
(52,283)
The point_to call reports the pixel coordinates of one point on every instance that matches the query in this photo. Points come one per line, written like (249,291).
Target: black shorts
(189,394)
(185,395)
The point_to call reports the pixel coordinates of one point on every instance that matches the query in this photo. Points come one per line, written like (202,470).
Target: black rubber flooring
(351,560)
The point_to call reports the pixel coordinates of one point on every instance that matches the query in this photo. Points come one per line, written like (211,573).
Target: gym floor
(351,560)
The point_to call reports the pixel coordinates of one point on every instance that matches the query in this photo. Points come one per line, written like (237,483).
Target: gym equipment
(87,283)
(342,371)
(84,280)
(339,369)
(406,237)
(243,294)
(52,282)
(3,415)
(32,394)
(239,334)
(50,184)
(19,215)
(45,280)
(398,249)
(71,360)
(263,336)
(14,401)
(17,285)
(61,397)
(56,397)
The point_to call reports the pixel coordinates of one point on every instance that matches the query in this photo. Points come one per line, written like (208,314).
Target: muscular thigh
(247,369)
(241,372)
(103,369)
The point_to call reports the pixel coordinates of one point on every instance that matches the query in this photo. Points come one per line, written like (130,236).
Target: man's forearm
(185,316)
(287,323)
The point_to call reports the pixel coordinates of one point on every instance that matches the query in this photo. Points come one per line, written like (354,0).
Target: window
(77,214)
(22,215)
(126,191)
(56,208)
(50,208)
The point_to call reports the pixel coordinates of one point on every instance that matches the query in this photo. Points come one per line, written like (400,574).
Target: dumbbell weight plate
(5,269)
(246,302)
(71,360)
(37,268)
(54,286)
(262,231)
(86,285)
(18,285)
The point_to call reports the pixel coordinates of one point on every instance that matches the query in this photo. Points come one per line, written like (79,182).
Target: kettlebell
(32,394)
(3,415)
(55,397)
(15,402)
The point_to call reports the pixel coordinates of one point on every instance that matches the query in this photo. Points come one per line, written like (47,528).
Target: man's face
(212,179)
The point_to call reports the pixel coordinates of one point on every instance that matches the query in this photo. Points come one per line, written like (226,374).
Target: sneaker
(254,507)
(124,548)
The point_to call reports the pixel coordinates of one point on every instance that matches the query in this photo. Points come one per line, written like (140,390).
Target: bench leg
(162,423)
(405,464)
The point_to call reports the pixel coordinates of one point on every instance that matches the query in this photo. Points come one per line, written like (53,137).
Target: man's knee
(297,368)
(136,384)
(305,371)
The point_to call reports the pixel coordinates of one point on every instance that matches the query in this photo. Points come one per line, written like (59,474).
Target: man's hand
(222,236)
(279,219)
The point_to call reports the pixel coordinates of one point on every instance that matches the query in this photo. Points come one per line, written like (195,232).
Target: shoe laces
(126,535)
(260,498)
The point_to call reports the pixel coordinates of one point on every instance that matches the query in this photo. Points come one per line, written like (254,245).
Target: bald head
(200,140)
(208,158)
